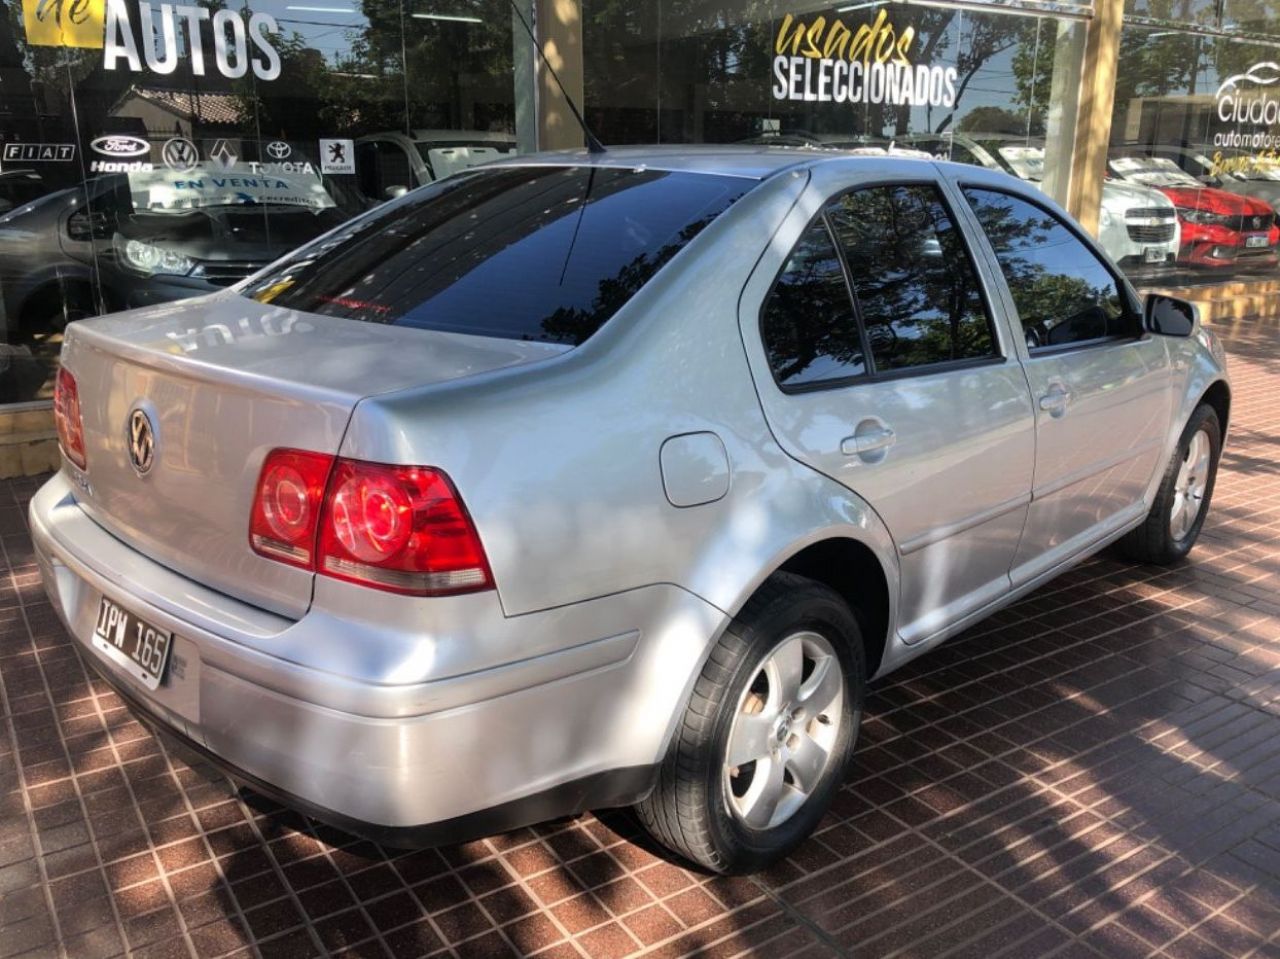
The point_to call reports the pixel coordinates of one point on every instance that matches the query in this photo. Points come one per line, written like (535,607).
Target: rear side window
(527,253)
(1063,292)
(915,286)
(808,325)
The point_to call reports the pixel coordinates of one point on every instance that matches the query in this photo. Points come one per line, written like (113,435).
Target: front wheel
(766,736)
(1182,502)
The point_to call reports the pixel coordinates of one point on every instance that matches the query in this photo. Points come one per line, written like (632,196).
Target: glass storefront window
(1203,13)
(154,151)
(151,151)
(972,86)
(1196,126)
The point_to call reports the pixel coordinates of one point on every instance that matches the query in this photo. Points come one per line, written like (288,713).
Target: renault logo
(142,442)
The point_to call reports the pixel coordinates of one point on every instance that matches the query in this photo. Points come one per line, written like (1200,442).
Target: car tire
(719,816)
(1182,502)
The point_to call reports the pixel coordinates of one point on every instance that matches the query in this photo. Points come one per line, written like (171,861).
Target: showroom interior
(151,152)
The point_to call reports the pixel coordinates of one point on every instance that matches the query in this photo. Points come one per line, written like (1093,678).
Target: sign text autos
(238,46)
(827,62)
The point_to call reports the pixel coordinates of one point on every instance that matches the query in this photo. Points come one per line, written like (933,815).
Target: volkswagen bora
(580,481)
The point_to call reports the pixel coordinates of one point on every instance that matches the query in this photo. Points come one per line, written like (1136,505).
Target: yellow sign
(65,23)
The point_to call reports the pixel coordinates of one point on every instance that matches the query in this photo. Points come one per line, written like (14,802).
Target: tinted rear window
(530,253)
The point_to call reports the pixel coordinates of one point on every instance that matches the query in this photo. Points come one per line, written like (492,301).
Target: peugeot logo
(142,442)
(1257,223)
(121,146)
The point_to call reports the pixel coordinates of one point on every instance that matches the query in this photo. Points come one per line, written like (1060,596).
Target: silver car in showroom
(588,480)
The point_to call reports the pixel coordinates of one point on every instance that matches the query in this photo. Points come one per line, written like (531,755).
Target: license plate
(142,649)
(1253,242)
(1153,254)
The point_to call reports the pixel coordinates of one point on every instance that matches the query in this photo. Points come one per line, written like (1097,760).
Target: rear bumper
(617,787)
(395,750)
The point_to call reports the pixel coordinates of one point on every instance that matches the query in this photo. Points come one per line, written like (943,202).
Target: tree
(988,119)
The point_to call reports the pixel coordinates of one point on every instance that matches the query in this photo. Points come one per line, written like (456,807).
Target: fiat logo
(142,442)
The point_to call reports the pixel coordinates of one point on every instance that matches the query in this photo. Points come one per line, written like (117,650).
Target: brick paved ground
(1095,771)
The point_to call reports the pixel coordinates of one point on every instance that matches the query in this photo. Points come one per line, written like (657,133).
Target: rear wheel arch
(855,572)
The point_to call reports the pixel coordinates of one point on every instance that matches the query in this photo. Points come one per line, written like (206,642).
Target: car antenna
(593,145)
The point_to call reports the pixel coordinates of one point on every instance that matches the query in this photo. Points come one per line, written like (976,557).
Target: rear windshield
(528,253)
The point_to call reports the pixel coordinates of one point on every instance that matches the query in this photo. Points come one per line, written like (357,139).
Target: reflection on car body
(1137,225)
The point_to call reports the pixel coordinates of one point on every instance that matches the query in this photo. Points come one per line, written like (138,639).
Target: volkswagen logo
(279,150)
(121,146)
(142,442)
(179,154)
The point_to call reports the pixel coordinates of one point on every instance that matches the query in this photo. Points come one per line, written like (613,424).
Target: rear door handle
(870,442)
(1055,401)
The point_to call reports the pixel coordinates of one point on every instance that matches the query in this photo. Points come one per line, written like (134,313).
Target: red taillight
(66,413)
(399,528)
(286,507)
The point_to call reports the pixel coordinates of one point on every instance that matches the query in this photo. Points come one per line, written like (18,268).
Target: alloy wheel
(784,731)
(1190,486)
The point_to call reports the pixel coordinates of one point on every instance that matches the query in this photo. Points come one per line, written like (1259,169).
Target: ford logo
(121,146)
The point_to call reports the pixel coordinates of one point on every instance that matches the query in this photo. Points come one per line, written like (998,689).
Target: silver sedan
(593,480)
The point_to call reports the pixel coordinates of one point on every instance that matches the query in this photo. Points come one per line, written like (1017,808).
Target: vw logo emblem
(179,154)
(278,150)
(142,442)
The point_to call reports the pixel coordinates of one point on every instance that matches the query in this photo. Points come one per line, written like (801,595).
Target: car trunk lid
(223,380)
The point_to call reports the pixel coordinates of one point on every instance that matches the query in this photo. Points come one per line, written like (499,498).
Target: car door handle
(1055,401)
(871,441)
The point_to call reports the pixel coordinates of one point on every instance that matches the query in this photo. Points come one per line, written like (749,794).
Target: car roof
(742,160)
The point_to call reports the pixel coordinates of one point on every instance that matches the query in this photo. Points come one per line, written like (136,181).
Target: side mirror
(1169,316)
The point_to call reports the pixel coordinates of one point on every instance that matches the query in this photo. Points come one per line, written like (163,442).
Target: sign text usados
(825,61)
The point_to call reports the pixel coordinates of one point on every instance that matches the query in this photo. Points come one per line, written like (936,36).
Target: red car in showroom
(1220,230)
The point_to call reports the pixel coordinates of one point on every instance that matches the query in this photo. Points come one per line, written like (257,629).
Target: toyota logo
(179,154)
(278,150)
(121,146)
(142,442)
